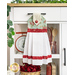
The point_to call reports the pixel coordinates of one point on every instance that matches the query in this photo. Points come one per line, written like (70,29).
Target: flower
(36,21)
(32,23)
(44,21)
(44,27)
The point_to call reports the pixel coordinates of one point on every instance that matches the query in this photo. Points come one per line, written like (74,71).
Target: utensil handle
(64,56)
(53,39)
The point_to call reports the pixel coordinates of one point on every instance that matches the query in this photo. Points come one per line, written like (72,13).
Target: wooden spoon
(54,33)
(51,28)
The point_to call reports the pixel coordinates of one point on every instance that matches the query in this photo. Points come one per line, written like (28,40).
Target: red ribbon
(37,30)
(37,57)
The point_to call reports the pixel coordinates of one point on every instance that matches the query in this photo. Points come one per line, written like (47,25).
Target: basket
(30,73)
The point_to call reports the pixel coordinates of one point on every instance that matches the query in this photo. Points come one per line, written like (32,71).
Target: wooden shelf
(37,4)
(20,56)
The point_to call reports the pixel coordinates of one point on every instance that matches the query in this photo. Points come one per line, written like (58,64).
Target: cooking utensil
(54,33)
(51,28)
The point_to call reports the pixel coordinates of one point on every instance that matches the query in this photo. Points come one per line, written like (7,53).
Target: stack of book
(53,69)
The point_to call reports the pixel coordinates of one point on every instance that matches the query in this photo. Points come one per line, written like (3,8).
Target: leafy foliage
(7,26)
(9,35)
(13,33)
(8,10)
(7,13)
(9,22)
(11,29)
(39,1)
(17,1)
(10,41)
(13,2)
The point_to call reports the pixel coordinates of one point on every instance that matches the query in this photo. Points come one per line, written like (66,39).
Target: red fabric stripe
(37,30)
(21,32)
(37,57)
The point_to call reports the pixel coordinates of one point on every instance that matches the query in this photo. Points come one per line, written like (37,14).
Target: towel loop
(32,14)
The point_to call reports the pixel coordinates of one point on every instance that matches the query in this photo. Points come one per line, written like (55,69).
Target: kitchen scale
(20,41)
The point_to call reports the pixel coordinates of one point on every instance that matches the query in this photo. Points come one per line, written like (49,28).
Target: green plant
(63,1)
(11,32)
(35,1)
(17,1)
(13,1)
(39,1)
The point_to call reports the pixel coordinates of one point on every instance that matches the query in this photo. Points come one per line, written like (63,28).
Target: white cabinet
(56,17)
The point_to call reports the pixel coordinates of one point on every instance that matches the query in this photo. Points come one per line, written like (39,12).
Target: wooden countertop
(37,4)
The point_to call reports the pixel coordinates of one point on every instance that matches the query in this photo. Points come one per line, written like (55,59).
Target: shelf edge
(37,4)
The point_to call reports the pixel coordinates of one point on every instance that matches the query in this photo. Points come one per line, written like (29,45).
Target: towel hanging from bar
(36,18)
(37,48)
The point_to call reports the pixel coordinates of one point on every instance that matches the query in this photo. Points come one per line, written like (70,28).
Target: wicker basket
(30,73)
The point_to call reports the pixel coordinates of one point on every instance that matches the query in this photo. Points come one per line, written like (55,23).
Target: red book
(49,69)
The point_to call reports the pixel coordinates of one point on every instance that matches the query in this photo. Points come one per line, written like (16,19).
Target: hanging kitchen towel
(37,18)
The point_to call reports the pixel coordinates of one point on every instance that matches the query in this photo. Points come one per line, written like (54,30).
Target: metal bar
(32,14)
(64,56)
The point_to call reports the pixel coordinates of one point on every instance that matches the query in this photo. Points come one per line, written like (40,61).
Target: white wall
(8,1)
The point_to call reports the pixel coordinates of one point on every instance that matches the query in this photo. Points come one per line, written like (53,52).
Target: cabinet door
(64,45)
